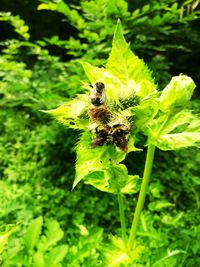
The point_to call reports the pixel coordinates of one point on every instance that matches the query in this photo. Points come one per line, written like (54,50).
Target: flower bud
(177,93)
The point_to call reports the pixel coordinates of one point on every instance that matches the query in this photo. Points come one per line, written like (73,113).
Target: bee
(119,135)
(98,111)
(102,136)
(98,94)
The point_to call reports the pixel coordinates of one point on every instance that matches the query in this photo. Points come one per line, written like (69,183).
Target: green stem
(122,217)
(142,194)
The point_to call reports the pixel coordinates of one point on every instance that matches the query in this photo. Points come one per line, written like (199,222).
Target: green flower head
(121,100)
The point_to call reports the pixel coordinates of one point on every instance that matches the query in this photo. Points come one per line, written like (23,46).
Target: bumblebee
(102,136)
(119,133)
(98,112)
(98,95)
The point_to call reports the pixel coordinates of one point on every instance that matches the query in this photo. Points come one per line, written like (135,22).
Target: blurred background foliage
(41,43)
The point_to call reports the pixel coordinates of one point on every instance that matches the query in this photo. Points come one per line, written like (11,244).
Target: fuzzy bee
(102,136)
(98,95)
(98,111)
(119,133)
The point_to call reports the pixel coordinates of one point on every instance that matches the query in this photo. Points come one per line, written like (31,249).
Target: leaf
(38,259)
(94,160)
(177,93)
(103,75)
(56,255)
(132,185)
(117,255)
(100,168)
(83,230)
(33,233)
(125,74)
(159,205)
(43,6)
(53,233)
(164,260)
(73,114)
(85,247)
(60,7)
(124,65)
(182,118)
(4,237)
(17,23)
(177,141)
(3,240)
(145,112)
(174,131)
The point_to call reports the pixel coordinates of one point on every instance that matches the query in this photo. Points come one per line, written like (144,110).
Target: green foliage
(41,246)
(37,158)
(118,255)
(158,31)
(36,249)
(124,65)
(100,166)
(4,235)
(19,25)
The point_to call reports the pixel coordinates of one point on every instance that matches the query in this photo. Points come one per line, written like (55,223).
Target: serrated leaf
(174,131)
(117,255)
(91,160)
(177,141)
(72,114)
(56,255)
(33,233)
(53,233)
(123,64)
(125,74)
(100,168)
(85,247)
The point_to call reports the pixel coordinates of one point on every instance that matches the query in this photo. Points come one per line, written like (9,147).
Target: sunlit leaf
(56,255)
(145,112)
(97,159)
(111,82)
(39,259)
(127,67)
(32,235)
(177,141)
(53,233)
(4,237)
(73,114)
(174,131)
(100,168)
(117,255)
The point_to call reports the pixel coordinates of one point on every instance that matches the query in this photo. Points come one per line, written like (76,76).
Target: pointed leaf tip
(118,37)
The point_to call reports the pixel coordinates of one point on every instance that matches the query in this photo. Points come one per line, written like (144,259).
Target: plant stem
(142,194)
(122,217)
